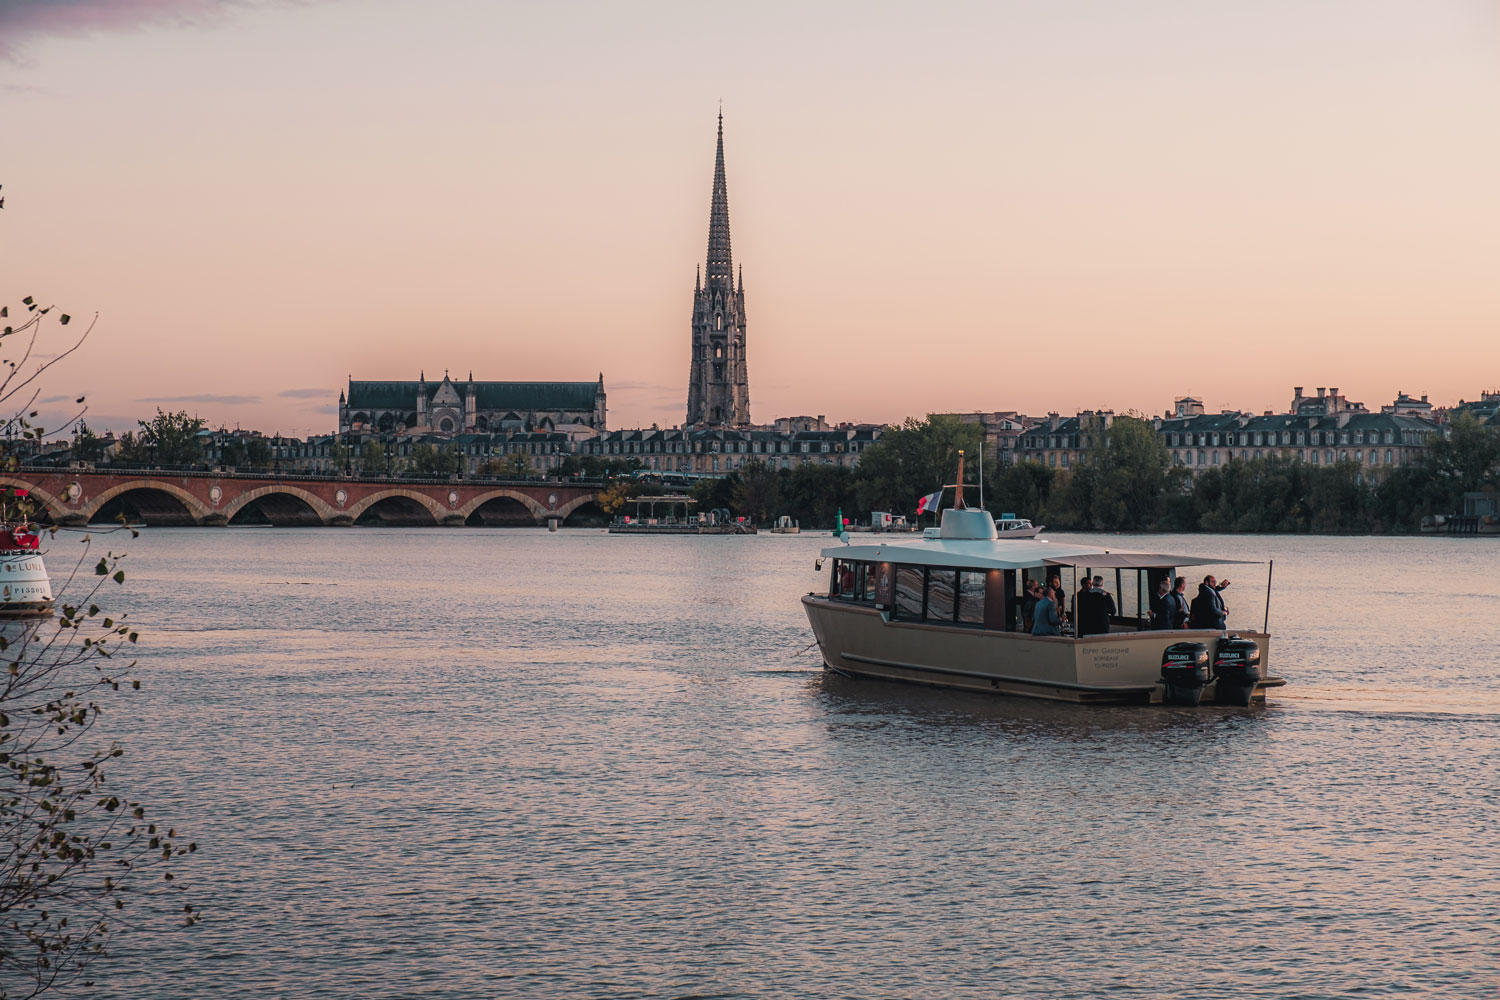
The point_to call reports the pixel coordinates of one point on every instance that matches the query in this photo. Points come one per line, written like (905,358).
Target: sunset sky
(1013,204)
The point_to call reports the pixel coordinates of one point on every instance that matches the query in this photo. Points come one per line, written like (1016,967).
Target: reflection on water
(468,763)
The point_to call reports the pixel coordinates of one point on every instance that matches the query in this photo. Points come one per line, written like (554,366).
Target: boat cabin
(959,576)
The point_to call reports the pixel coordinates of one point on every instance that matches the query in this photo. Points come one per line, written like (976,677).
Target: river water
(507,763)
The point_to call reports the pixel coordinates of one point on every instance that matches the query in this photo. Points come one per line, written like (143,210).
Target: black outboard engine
(1237,671)
(1184,671)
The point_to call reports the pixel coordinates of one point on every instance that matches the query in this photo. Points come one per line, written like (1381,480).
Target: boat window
(940,591)
(909,592)
(971,597)
(871,577)
(843,579)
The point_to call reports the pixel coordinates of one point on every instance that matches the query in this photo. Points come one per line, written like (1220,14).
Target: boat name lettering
(1098,650)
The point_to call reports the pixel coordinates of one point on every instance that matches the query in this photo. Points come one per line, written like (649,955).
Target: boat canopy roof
(1015,554)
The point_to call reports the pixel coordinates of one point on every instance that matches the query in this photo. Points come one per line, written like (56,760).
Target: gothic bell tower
(718,380)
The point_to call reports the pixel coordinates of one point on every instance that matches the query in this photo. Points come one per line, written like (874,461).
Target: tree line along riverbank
(1128,483)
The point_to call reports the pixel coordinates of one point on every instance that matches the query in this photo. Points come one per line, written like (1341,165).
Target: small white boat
(786,526)
(25,587)
(1017,527)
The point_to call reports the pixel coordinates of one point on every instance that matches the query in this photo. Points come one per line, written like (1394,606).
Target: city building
(1408,406)
(1065,442)
(469,407)
(719,451)
(1486,408)
(1002,430)
(1326,403)
(718,379)
(1376,442)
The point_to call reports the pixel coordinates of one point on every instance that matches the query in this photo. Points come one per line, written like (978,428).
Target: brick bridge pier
(172,498)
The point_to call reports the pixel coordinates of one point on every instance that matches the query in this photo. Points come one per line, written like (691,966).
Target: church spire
(720,262)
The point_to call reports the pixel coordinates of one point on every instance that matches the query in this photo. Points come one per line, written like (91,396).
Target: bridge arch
(572,505)
(319,507)
(538,512)
(362,507)
(53,506)
(194,509)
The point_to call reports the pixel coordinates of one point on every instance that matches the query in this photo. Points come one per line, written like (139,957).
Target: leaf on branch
(63,319)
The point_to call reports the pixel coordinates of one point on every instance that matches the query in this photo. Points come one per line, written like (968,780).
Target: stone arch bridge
(173,498)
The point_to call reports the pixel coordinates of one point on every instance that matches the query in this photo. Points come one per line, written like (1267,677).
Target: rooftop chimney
(1334,391)
(1297,391)
(1321,390)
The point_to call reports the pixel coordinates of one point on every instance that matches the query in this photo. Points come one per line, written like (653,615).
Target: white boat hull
(25,588)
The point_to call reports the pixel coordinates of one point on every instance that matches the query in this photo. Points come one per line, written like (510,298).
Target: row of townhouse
(678,451)
(707,452)
(1374,441)
(1060,442)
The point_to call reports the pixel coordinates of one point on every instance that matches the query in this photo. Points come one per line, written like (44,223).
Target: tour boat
(25,589)
(945,611)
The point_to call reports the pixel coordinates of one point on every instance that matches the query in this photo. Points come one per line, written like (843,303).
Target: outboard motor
(1184,671)
(1237,671)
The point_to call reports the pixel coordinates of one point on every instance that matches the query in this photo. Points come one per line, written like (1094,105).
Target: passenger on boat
(1095,608)
(1028,605)
(1048,621)
(1055,585)
(1208,610)
(1177,614)
(1080,599)
(1161,606)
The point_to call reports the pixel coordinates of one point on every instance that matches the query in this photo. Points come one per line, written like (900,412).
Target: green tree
(232,453)
(756,492)
(1129,477)
(1464,459)
(87,446)
(373,460)
(258,453)
(166,439)
(513,464)
(428,460)
(1020,489)
(814,493)
(912,460)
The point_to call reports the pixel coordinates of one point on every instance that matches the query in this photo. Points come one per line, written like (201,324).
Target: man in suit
(1161,606)
(1177,604)
(1208,610)
(1095,608)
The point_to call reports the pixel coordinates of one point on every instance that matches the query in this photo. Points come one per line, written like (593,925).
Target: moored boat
(25,588)
(946,611)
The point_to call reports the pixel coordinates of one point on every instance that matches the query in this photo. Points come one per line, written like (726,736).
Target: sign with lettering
(885,595)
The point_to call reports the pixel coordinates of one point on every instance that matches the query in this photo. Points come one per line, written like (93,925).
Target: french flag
(929,502)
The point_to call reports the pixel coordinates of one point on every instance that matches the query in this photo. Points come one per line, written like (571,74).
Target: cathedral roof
(491,395)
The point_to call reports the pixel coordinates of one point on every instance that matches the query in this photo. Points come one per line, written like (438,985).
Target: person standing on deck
(1161,606)
(1177,604)
(1048,621)
(1208,609)
(1096,607)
